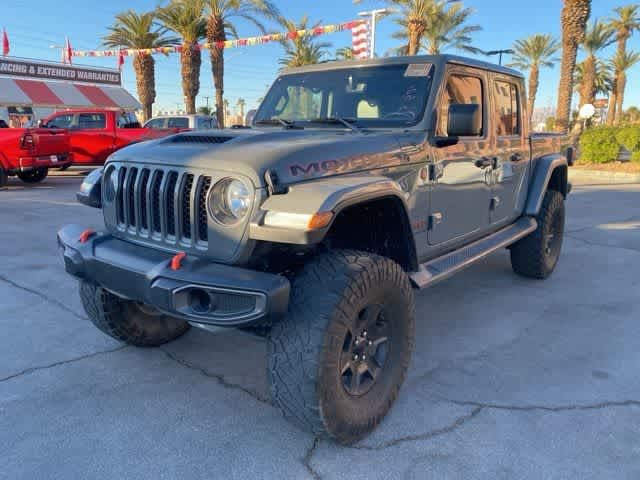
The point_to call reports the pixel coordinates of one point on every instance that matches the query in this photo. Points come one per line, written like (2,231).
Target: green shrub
(635,157)
(629,138)
(599,145)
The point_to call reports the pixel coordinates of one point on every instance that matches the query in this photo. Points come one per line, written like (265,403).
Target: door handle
(516,157)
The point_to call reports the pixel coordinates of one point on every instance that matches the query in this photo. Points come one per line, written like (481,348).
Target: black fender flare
(545,167)
(323,196)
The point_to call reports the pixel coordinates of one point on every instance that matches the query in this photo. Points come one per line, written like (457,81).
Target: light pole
(375,14)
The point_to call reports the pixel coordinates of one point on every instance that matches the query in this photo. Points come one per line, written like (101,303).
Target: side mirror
(465,120)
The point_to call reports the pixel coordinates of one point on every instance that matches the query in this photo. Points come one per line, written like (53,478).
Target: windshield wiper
(279,121)
(347,122)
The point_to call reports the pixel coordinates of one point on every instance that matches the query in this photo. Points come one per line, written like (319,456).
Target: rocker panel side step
(443,267)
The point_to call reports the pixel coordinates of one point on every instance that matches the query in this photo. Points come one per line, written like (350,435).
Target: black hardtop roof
(437,60)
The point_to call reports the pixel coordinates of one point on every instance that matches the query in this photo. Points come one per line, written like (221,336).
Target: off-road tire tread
(110,315)
(528,255)
(296,343)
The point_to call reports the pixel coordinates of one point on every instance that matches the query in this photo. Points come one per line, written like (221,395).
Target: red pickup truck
(29,153)
(97,133)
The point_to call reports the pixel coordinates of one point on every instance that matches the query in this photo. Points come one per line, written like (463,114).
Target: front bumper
(200,291)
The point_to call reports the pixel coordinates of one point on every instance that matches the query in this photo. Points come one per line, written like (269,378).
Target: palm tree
(632,115)
(345,53)
(620,63)
(241,104)
(139,31)
(602,79)
(226,113)
(575,14)
(220,14)
(625,23)
(301,50)
(533,53)
(597,37)
(434,26)
(185,17)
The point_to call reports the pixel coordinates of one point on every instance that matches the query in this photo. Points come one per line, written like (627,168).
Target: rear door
(461,192)
(91,140)
(508,190)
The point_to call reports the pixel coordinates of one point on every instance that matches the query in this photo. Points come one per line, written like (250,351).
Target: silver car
(192,121)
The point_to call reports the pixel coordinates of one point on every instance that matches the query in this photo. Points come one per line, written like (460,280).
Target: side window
(461,89)
(61,121)
(204,123)
(92,121)
(155,123)
(178,122)
(507,109)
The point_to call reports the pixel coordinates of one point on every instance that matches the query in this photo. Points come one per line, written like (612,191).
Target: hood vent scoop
(210,139)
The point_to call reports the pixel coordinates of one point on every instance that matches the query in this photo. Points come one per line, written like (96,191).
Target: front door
(91,140)
(461,194)
(509,183)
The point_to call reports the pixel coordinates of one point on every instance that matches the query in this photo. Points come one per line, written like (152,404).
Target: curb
(599,177)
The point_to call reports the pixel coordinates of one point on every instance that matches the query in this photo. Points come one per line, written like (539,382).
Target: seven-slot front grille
(163,205)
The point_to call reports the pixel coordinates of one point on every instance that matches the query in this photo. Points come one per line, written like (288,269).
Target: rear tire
(537,255)
(36,175)
(128,321)
(338,359)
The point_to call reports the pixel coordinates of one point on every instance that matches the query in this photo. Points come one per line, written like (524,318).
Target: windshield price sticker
(418,70)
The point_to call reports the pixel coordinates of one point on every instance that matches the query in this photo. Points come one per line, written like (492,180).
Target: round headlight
(230,201)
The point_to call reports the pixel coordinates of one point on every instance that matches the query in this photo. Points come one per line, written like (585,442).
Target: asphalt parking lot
(512,378)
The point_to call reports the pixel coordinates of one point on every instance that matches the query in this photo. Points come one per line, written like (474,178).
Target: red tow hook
(176,261)
(86,235)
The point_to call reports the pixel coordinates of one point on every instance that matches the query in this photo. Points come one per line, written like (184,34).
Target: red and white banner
(241,42)
(361,37)
(6,48)
(44,93)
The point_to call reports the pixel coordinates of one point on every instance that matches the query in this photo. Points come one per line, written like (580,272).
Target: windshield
(382,96)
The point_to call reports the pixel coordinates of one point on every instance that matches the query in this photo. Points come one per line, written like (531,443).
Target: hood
(292,155)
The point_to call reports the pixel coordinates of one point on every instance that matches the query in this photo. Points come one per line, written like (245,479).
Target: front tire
(338,359)
(537,255)
(36,175)
(127,321)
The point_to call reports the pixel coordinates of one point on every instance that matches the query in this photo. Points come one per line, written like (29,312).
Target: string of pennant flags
(241,42)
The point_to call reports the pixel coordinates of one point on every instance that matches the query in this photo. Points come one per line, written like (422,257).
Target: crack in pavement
(217,377)
(43,296)
(307,459)
(457,423)
(597,244)
(546,408)
(31,370)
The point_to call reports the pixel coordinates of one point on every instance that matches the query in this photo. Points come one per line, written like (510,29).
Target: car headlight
(90,180)
(90,193)
(230,201)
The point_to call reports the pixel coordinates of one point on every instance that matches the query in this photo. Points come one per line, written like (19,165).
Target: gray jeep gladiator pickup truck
(357,183)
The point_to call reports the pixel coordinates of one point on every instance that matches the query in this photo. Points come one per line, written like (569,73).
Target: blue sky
(33,25)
